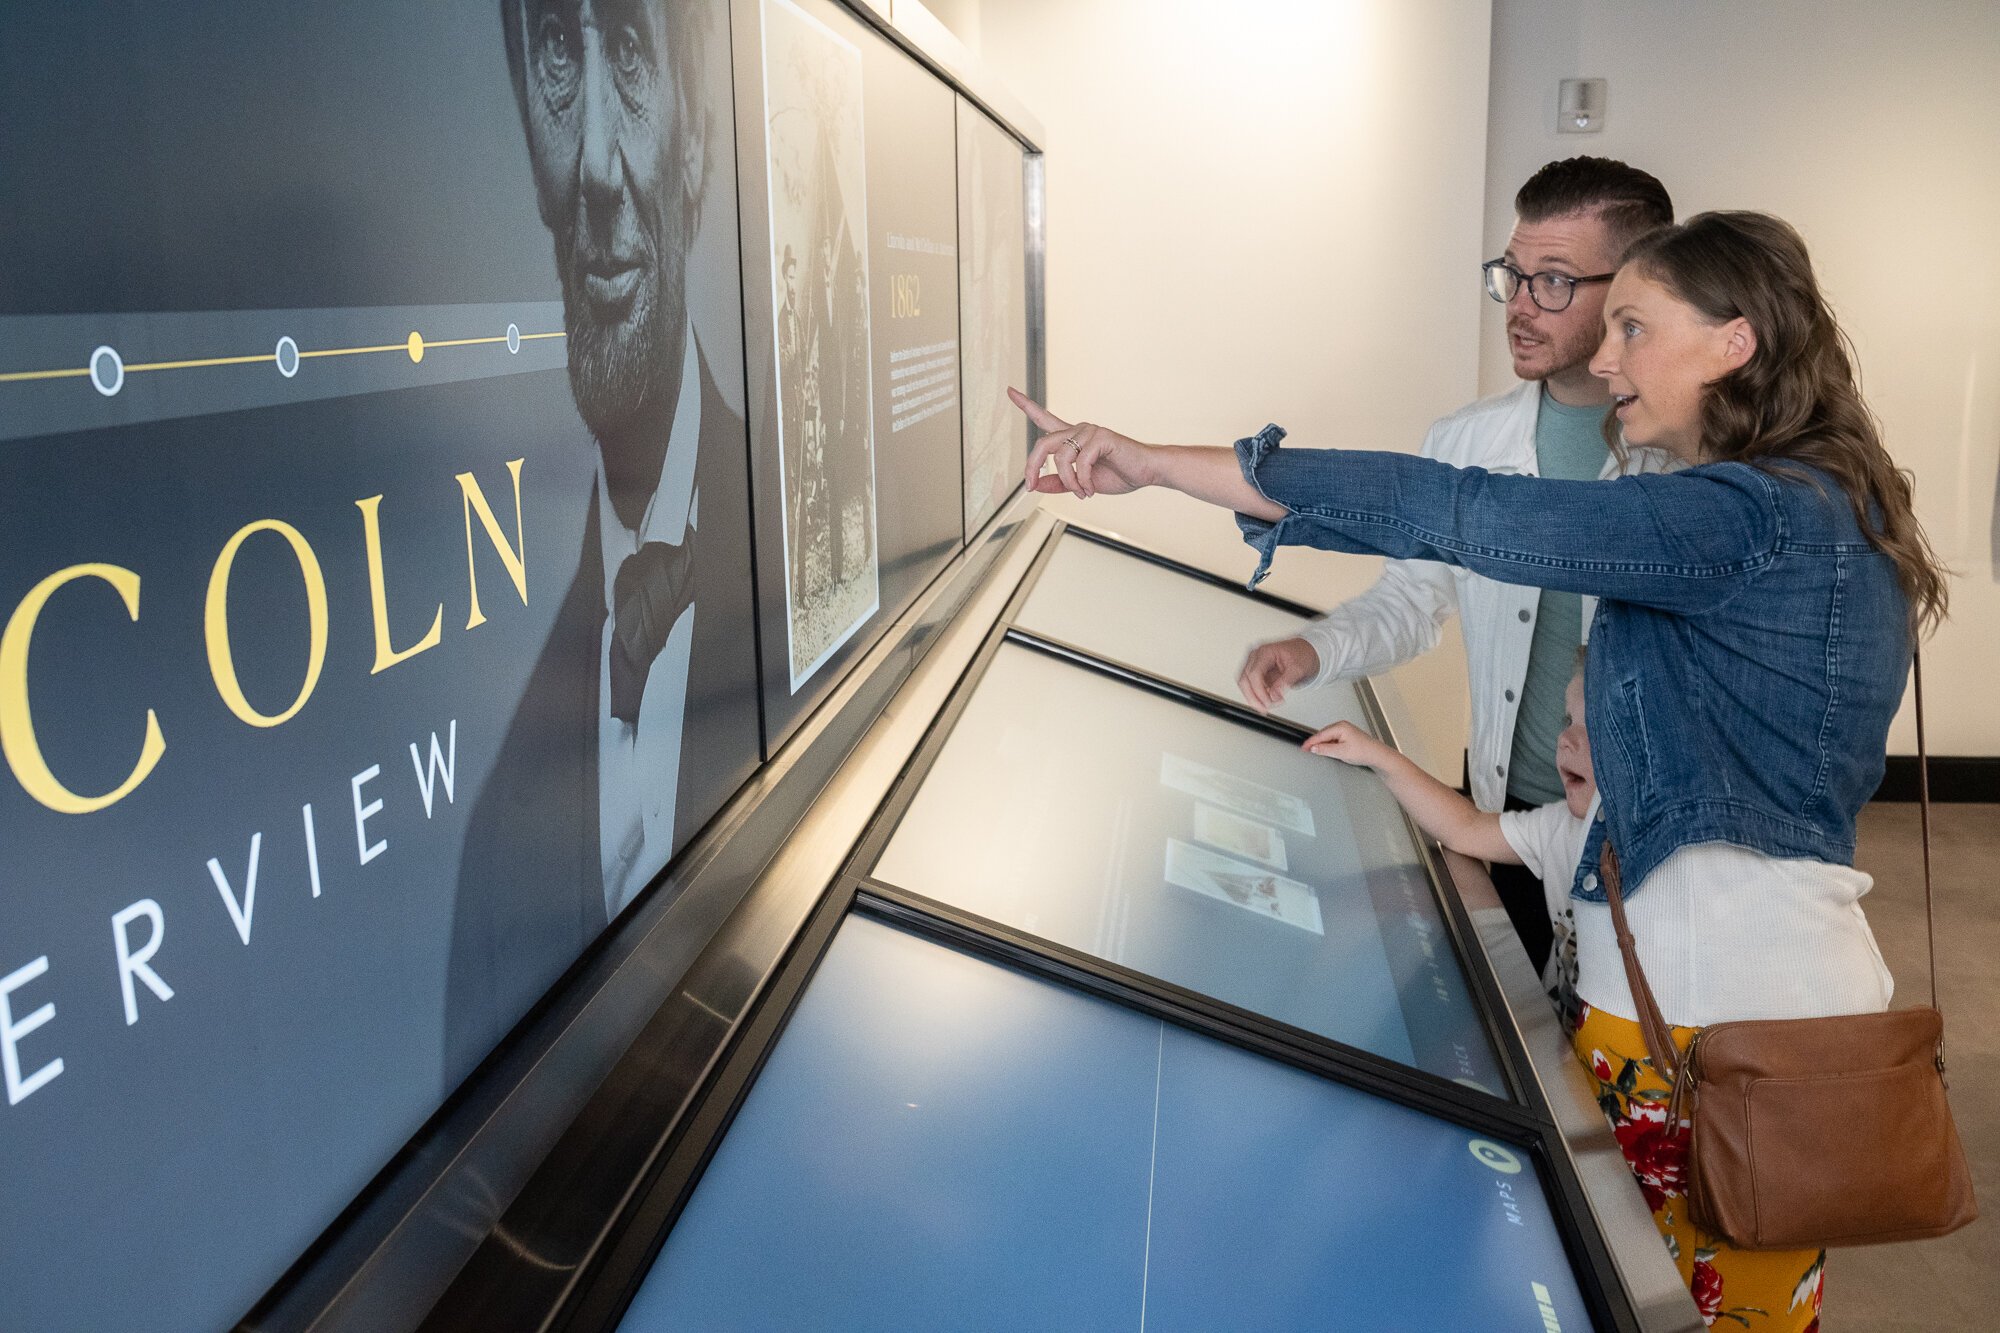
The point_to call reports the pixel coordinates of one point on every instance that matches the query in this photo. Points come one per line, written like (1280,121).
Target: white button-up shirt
(639,765)
(1402,615)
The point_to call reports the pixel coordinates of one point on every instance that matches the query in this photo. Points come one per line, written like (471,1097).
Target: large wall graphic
(380,571)
(379,586)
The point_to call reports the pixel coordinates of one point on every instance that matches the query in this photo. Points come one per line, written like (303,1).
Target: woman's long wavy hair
(1795,400)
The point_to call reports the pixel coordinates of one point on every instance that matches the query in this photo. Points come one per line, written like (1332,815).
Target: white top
(1403,614)
(639,766)
(1549,841)
(1724,932)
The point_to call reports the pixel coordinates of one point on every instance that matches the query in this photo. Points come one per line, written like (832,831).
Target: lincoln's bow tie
(654,585)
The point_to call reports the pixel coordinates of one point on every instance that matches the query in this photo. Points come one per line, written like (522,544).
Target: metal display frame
(600,1288)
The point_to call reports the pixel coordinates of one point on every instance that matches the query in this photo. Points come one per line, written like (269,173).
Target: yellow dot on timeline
(416,346)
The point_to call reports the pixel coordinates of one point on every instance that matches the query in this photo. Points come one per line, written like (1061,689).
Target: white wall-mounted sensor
(1580,106)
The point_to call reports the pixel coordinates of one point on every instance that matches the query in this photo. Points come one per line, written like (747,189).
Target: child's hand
(1347,743)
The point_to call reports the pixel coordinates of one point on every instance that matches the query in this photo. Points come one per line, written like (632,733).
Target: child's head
(1579,779)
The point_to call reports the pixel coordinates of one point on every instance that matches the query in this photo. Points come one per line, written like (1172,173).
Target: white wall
(1875,129)
(1262,212)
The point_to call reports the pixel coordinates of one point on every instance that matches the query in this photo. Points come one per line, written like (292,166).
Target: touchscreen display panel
(1172,625)
(1205,853)
(938,1141)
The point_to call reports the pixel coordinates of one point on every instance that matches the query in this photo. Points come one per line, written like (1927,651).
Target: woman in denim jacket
(1758,611)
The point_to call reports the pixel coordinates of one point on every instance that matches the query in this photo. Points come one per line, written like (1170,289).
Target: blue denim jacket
(1749,650)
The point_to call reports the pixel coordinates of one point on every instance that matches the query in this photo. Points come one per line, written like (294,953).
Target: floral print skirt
(1765,1290)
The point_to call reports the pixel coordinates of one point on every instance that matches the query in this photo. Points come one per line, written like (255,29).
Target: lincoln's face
(615,159)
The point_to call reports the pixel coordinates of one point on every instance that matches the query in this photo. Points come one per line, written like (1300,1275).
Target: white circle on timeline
(287,357)
(107,371)
(513,337)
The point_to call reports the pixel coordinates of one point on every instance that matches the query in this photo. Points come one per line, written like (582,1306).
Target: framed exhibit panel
(851,295)
(994,290)
(1173,621)
(376,589)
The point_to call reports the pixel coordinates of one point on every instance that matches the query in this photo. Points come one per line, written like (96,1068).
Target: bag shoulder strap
(1658,1033)
(1924,821)
(1652,1024)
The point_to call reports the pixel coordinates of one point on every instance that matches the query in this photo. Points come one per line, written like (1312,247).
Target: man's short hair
(1629,202)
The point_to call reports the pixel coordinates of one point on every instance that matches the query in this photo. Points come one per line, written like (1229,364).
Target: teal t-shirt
(1569,444)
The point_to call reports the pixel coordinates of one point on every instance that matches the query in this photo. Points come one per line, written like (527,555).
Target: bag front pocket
(1837,1159)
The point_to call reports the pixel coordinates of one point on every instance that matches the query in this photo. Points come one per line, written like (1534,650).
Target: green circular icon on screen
(1493,1155)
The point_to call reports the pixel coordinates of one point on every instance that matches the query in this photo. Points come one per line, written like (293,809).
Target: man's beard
(1563,352)
(623,372)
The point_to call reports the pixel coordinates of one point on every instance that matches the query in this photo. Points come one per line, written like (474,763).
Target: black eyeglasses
(1551,291)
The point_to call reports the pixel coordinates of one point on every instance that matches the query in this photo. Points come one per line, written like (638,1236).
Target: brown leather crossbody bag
(1814,1132)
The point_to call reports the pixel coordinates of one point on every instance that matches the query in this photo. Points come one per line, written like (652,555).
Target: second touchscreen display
(1207,854)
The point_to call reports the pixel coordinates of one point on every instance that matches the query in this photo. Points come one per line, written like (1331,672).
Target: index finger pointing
(1041,416)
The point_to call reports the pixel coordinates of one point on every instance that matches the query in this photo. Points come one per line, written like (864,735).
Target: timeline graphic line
(202,362)
(12,376)
(136,367)
(414,347)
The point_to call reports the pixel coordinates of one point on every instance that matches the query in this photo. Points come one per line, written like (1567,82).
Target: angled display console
(1097,1001)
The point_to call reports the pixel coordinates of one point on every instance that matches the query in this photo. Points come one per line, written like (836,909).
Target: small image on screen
(1250,887)
(1240,794)
(1242,837)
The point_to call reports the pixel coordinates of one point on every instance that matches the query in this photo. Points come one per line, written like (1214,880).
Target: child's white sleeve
(1549,840)
(1532,833)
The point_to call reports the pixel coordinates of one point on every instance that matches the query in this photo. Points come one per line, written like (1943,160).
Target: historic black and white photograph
(993,301)
(819,271)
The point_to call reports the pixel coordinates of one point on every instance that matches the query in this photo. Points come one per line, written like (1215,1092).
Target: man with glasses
(1572,221)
